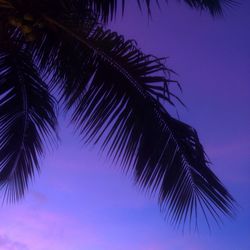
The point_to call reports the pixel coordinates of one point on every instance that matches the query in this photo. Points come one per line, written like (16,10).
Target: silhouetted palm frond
(115,94)
(107,9)
(119,108)
(27,120)
(215,7)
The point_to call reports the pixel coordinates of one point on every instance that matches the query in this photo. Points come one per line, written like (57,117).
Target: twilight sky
(82,202)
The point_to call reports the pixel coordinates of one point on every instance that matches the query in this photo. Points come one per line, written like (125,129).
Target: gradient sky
(81,202)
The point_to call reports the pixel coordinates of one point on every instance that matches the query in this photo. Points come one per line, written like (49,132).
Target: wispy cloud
(43,230)
(8,244)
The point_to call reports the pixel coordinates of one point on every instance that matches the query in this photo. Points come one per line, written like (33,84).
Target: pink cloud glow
(44,230)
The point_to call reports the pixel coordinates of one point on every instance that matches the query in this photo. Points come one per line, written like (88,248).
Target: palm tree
(59,52)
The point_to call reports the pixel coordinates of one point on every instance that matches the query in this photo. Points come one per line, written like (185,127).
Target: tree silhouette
(114,93)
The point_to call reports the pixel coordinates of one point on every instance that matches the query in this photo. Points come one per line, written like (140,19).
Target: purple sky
(81,202)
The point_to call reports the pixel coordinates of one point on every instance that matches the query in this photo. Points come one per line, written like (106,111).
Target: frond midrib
(25,126)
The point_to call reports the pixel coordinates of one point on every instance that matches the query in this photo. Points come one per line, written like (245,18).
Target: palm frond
(215,7)
(115,102)
(50,40)
(107,9)
(27,120)
(115,94)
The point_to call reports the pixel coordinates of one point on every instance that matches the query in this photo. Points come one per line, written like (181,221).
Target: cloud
(8,244)
(42,229)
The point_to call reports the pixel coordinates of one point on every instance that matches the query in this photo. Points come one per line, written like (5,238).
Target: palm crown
(114,93)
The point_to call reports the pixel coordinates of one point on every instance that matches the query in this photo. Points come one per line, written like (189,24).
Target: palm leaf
(116,102)
(27,120)
(215,7)
(107,9)
(115,94)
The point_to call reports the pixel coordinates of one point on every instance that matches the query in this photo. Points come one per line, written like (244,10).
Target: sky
(80,201)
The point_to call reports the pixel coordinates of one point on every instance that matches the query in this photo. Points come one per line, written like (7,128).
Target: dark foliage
(27,119)
(114,93)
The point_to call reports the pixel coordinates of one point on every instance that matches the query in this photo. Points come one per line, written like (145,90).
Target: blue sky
(81,201)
